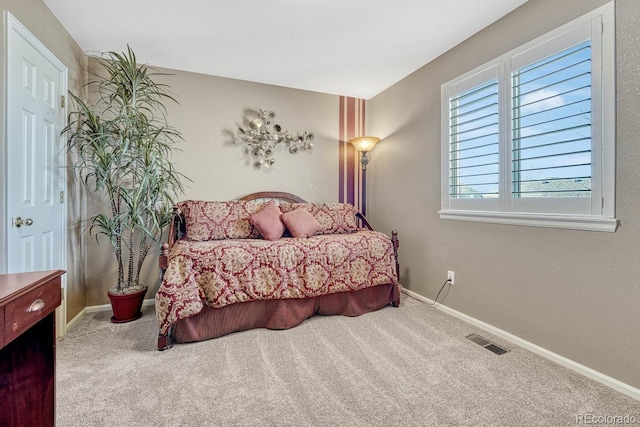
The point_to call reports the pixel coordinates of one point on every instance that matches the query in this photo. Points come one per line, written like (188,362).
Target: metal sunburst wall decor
(264,135)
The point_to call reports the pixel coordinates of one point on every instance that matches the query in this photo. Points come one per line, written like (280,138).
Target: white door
(35,173)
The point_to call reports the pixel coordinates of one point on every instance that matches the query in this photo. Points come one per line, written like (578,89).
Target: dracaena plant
(122,147)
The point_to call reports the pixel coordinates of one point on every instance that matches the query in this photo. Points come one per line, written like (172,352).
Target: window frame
(569,213)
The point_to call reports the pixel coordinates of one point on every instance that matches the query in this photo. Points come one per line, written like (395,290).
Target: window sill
(571,222)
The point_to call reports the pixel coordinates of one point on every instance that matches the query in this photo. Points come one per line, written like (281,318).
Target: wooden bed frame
(196,326)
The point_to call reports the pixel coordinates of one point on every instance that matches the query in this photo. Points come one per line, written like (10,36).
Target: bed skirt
(281,314)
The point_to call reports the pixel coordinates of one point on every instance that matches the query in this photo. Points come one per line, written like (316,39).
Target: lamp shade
(364,143)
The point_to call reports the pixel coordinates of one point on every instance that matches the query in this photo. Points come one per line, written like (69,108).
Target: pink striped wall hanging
(352,124)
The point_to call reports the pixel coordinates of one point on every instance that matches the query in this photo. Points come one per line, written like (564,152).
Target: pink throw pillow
(267,221)
(300,223)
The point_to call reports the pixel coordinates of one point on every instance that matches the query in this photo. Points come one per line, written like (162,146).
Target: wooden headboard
(277,196)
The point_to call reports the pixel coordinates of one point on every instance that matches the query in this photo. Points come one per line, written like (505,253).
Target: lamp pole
(364,144)
(364,182)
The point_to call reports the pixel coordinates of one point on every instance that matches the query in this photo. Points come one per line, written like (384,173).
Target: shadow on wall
(405,277)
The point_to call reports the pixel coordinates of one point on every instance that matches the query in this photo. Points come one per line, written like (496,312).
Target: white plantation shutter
(529,138)
(473,142)
(551,126)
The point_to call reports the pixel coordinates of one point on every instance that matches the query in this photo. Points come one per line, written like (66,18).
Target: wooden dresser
(27,347)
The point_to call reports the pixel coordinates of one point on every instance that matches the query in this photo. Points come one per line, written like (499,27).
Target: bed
(220,274)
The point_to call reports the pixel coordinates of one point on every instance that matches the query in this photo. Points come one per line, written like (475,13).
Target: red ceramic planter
(126,308)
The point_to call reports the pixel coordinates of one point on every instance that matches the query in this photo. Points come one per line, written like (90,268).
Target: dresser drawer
(2,331)
(28,309)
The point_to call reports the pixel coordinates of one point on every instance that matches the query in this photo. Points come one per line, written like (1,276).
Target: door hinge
(62,101)
(61,197)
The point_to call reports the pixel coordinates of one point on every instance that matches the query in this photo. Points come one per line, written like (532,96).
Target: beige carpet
(406,366)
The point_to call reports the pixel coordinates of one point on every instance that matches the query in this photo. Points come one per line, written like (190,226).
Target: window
(529,138)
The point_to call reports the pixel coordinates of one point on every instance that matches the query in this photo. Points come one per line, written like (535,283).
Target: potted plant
(122,146)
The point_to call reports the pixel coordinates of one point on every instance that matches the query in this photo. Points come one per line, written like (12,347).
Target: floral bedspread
(221,272)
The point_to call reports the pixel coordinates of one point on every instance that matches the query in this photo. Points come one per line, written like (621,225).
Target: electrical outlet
(451,277)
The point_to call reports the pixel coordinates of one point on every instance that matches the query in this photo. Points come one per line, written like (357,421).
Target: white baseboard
(99,308)
(554,357)
(73,321)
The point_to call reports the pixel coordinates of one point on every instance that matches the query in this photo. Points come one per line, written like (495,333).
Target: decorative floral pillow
(333,217)
(219,220)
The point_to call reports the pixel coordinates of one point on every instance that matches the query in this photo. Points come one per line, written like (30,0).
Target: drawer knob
(37,305)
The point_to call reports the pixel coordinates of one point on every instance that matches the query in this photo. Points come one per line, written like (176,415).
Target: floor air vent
(487,344)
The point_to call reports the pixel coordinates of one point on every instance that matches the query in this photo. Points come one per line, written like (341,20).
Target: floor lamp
(364,144)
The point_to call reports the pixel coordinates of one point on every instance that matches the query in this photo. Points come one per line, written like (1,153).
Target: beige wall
(34,15)
(572,292)
(209,113)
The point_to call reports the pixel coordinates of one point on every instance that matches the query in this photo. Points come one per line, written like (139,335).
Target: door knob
(19,222)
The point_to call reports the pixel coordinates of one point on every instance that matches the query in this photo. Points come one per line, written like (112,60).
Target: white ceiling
(354,48)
